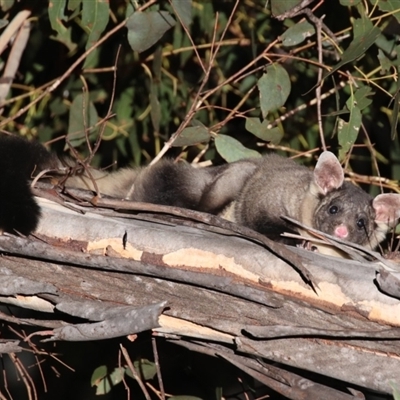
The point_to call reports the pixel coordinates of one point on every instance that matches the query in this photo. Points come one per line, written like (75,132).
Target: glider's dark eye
(333,210)
(361,223)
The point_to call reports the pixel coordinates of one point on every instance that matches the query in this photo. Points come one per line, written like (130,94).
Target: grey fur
(320,199)
(258,192)
(176,184)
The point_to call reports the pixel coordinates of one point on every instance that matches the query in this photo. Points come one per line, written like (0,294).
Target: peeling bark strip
(10,346)
(389,282)
(125,321)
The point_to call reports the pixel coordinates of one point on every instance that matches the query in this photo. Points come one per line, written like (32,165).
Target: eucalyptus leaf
(191,136)
(349,3)
(247,83)
(361,96)
(56,17)
(82,119)
(5,5)
(385,62)
(147,28)
(396,390)
(147,369)
(348,131)
(274,87)
(365,36)
(184,9)
(232,150)
(58,107)
(103,387)
(123,106)
(95,16)
(74,4)
(261,130)
(389,6)
(117,375)
(98,374)
(297,33)
(3,23)
(279,7)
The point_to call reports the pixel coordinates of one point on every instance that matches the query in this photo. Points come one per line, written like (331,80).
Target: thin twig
(128,390)
(100,137)
(134,372)
(157,362)
(29,384)
(319,86)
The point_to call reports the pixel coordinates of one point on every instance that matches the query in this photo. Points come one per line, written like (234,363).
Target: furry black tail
(19,161)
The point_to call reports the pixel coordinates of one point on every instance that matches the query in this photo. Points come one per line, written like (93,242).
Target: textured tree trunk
(217,288)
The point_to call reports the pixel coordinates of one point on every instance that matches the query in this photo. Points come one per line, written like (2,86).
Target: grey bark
(196,279)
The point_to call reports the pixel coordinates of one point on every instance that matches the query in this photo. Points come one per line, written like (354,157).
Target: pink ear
(328,173)
(387,208)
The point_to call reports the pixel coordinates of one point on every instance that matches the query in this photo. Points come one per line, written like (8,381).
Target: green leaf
(278,7)
(389,5)
(247,83)
(261,130)
(396,390)
(103,387)
(397,52)
(74,4)
(348,131)
(146,28)
(58,107)
(387,44)
(192,135)
(206,18)
(147,369)
(184,9)
(98,374)
(297,33)
(183,397)
(232,150)
(361,27)
(274,87)
(361,97)
(95,16)
(82,116)
(117,375)
(349,3)
(386,64)
(123,106)
(56,16)
(365,35)
(5,5)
